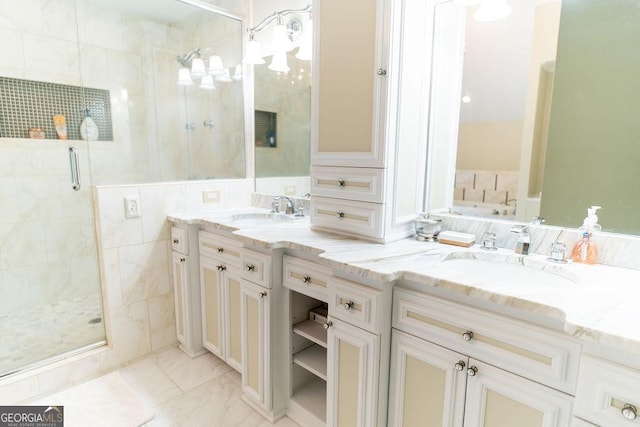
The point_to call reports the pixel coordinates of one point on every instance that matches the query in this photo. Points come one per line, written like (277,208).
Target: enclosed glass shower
(114,61)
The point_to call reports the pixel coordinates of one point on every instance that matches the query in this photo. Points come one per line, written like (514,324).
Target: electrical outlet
(211,196)
(290,190)
(132,207)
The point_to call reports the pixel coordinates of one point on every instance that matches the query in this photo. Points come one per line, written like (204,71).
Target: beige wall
(489,145)
(593,151)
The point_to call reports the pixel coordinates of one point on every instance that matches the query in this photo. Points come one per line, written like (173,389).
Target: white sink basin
(259,218)
(512,271)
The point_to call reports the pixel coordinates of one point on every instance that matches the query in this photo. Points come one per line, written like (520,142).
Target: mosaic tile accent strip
(26,104)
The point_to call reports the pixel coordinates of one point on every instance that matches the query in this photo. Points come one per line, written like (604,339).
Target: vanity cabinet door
(220,294)
(255,342)
(353,357)
(180,292)
(496,398)
(350,83)
(212,294)
(427,383)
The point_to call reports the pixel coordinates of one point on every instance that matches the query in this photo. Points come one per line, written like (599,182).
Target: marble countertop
(597,303)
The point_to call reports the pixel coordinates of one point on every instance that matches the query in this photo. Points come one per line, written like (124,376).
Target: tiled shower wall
(136,283)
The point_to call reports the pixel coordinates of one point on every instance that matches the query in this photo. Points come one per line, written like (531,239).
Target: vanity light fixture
(193,67)
(287,34)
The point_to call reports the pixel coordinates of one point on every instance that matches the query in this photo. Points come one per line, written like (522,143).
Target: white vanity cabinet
(339,363)
(453,365)
(262,317)
(220,285)
(608,393)
(369,86)
(186,289)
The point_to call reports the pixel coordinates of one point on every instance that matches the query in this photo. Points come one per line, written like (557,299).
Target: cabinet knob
(467,336)
(250,267)
(382,72)
(472,371)
(183,259)
(262,294)
(630,412)
(306,279)
(175,241)
(220,250)
(460,365)
(341,183)
(221,268)
(348,305)
(340,215)
(327,324)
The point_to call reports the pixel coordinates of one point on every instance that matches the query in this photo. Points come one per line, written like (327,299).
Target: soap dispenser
(88,128)
(585,251)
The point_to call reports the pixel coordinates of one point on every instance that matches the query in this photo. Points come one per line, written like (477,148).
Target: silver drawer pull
(348,305)
(221,268)
(630,412)
(250,267)
(467,336)
(472,371)
(176,241)
(382,72)
(460,365)
(306,279)
(220,250)
(262,294)
(341,183)
(183,259)
(327,324)
(340,215)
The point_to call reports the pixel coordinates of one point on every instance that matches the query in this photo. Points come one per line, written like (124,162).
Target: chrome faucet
(290,205)
(524,238)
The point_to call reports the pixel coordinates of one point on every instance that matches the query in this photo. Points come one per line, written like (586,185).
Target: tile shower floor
(178,390)
(41,332)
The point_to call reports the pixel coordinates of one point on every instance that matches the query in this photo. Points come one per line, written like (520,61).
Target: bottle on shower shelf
(88,128)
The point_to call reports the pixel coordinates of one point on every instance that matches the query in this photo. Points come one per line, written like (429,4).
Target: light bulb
(184,77)
(279,62)
(197,68)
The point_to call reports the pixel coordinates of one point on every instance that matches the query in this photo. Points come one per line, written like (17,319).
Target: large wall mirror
(283,107)
(543,121)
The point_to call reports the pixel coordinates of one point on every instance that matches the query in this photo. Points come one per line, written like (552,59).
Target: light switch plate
(132,207)
(210,196)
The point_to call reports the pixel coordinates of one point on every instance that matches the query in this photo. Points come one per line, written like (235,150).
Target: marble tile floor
(181,391)
(37,333)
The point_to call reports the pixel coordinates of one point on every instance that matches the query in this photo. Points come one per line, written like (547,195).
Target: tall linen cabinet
(370,95)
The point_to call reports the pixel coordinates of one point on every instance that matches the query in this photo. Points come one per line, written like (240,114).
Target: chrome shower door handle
(75,168)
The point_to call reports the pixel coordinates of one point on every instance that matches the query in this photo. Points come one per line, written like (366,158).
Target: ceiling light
(492,10)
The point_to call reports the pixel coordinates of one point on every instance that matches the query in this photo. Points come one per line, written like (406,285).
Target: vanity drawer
(604,389)
(363,184)
(220,248)
(256,268)
(306,277)
(180,240)
(534,352)
(355,304)
(354,218)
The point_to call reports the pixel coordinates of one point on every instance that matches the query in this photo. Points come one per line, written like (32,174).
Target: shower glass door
(50,302)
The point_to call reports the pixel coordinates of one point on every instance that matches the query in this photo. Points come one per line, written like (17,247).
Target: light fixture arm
(185,60)
(276,15)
